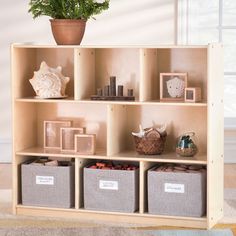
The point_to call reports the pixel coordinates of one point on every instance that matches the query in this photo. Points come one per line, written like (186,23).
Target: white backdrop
(127,22)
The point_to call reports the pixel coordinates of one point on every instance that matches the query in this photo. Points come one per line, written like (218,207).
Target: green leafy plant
(67,9)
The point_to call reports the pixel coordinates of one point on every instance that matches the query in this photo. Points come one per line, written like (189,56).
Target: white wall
(126,22)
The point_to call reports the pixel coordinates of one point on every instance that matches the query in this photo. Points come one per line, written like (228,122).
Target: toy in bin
(186,145)
(150,141)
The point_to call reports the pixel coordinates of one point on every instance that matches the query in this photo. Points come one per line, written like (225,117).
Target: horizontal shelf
(165,157)
(44,152)
(71,100)
(113,213)
(27,45)
(123,156)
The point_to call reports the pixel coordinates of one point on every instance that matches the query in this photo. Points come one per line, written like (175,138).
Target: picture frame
(85,144)
(68,137)
(172,86)
(193,94)
(52,129)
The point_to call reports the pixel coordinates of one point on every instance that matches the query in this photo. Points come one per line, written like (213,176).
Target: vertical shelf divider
(148,74)
(144,166)
(79,188)
(77,184)
(84,73)
(116,125)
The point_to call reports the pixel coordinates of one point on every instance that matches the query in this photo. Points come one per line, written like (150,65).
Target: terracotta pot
(68,32)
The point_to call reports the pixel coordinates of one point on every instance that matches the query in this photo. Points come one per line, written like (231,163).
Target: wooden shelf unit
(136,67)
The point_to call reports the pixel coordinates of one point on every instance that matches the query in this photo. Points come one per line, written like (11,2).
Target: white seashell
(49,82)
(141,132)
(175,87)
(162,129)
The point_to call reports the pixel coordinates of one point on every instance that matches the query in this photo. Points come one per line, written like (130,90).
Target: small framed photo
(68,138)
(52,131)
(85,144)
(172,86)
(193,94)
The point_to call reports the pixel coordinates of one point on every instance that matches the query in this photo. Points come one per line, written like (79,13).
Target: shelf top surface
(87,101)
(123,156)
(34,45)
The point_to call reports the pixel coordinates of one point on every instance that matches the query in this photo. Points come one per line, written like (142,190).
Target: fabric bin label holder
(44,180)
(104,183)
(108,185)
(171,186)
(174,188)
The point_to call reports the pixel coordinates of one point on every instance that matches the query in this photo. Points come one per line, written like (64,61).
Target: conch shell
(49,82)
(175,87)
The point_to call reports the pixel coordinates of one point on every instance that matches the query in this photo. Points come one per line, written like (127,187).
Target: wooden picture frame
(67,139)
(172,86)
(52,132)
(85,144)
(193,94)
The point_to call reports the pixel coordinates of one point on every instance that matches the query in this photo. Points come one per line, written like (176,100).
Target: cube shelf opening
(124,120)
(37,113)
(28,60)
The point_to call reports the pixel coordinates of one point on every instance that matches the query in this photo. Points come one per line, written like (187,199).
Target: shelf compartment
(123,120)
(30,118)
(28,60)
(94,66)
(104,190)
(192,61)
(17,168)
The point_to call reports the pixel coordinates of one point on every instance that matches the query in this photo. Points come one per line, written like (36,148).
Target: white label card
(174,188)
(109,185)
(44,180)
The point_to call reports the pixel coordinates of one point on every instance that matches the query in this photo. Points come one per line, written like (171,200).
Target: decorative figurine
(49,82)
(186,146)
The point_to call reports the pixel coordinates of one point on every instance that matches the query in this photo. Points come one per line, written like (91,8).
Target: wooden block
(112,86)
(164,93)
(120,90)
(68,138)
(130,92)
(112,98)
(52,133)
(193,94)
(85,144)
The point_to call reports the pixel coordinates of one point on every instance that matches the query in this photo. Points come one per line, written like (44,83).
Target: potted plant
(68,17)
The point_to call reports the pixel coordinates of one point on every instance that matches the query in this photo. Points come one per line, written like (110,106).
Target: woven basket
(150,145)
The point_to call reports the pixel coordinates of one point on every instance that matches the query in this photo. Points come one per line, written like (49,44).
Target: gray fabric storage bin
(111,190)
(177,194)
(51,186)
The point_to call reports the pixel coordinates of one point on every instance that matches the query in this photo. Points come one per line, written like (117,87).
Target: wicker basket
(150,144)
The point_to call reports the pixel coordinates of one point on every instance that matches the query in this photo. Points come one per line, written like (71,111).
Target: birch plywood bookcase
(113,121)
